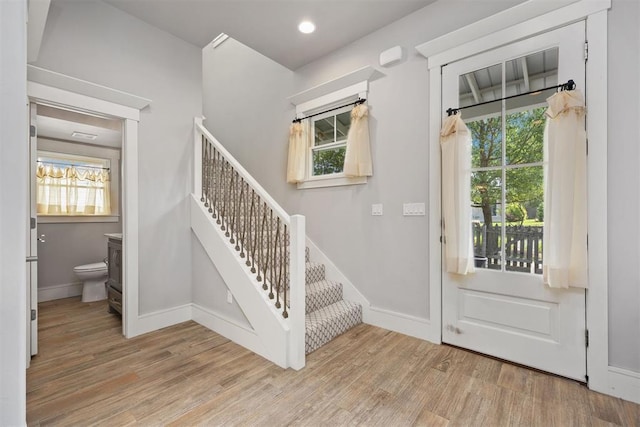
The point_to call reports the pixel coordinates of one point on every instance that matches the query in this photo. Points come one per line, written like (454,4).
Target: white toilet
(94,277)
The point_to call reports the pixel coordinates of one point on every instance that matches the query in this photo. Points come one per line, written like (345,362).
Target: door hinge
(586,50)
(587,144)
(586,338)
(32,223)
(33,315)
(32,130)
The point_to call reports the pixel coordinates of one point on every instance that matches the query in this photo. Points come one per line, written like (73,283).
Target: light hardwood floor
(87,374)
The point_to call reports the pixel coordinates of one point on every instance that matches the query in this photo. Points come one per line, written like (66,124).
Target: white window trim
(330,100)
(495,31)
(107,153)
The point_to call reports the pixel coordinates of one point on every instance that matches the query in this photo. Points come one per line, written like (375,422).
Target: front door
(504,309)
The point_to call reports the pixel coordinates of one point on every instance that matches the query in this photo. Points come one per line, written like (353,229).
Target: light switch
(376,209)
(413,209)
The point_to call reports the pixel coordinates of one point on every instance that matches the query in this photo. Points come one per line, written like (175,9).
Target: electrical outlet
(376,209)
(229,297)
(413,209)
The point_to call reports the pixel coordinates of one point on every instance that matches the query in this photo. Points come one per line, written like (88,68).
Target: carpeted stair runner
(327,314)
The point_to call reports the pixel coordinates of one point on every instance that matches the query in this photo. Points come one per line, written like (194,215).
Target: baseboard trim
(161,319)
(66,290)
(228,328)
(413,326)
(624,384)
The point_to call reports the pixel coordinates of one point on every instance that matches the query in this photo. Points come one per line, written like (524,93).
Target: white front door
(504,309)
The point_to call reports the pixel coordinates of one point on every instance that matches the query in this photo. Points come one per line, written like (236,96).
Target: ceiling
(57,123)
(270,26)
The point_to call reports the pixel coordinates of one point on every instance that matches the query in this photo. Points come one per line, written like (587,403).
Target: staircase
(327,315)
(259,251)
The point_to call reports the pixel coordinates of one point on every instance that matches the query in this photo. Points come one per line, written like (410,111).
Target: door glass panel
(523,219)
(486,212)
(507,154)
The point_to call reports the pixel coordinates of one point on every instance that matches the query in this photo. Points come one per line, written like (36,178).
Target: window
(329,142)
(72,185)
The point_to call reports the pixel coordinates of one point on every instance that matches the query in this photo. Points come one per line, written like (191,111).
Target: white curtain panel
(298,146)
(565,201)
(357,160)
(455,143)
(71,191)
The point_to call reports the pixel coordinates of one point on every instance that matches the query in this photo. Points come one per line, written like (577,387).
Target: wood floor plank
(186,375)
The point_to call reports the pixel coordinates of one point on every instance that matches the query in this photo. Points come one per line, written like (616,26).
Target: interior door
(504,309)
(32,242)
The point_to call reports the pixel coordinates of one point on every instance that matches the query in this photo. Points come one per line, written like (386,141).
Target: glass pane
(343,122)
(484,121)
(324,130)
(328,161)
(525,119)
(486,212)
(524,219)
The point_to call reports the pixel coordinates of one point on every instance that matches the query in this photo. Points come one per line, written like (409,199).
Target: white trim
(77,86)
(514,24)
(64,219)
(331,181)
(66,290)
(297,295)
(499,30)
(162,318)
(624,384)
(333,85)
(394,321)
(228,328)
(129,175)
(359,89)
(597,294)
(434,209)
(129,196)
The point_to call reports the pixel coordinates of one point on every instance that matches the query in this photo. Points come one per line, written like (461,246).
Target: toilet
(94,277)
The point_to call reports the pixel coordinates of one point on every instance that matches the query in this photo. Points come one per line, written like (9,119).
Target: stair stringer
(270,327)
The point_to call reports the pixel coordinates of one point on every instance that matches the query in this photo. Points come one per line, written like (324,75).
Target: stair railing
(269,241)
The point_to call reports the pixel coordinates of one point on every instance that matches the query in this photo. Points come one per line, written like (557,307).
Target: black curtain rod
(71,164)
(570,85)
(358,102)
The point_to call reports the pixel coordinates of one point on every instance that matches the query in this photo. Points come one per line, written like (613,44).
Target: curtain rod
(358,102)
(570,85)
(71,164)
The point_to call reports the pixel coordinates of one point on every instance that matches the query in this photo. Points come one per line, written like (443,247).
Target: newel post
(197,157)
(297,292)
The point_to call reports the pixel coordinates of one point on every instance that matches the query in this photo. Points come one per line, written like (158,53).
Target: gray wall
(386,257)
(68,245)
(13,211)
(97,42)
(623,188)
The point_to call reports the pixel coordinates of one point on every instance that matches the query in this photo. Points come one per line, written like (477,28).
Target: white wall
(623,179)
(99,43)
(386,257)
(13,211)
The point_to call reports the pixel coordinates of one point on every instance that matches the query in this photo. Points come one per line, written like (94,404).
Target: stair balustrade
(268,241)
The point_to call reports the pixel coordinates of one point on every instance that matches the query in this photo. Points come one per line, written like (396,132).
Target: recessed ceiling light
(307,27)
(85,136)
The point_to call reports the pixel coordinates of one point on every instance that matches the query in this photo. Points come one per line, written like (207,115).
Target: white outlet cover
(376,209)
(229,297)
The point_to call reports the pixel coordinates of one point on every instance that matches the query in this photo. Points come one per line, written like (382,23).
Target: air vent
(84,136)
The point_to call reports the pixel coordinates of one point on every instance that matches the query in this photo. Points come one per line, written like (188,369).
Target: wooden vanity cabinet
(114,281)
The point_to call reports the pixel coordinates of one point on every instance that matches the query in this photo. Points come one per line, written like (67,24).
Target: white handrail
(243,173)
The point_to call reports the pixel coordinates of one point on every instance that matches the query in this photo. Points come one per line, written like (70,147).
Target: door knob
(41,238)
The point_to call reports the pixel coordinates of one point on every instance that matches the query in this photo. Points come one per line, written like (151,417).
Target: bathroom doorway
(76,199)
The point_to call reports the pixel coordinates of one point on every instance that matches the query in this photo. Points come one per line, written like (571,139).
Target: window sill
(331,182)
(53,219)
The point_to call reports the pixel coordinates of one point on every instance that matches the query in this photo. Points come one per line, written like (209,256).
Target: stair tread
(326,323)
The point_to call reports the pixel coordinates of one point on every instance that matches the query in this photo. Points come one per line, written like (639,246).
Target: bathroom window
(73,185)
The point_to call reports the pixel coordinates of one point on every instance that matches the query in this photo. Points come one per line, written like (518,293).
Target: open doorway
(76,200)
